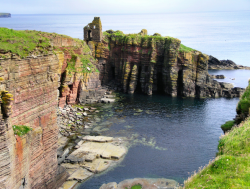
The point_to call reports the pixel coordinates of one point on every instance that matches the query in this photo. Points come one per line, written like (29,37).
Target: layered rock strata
(32,87)
(153,64)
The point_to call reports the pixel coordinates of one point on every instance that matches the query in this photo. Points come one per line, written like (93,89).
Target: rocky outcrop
(159,183)
(155,64)
(30,160)
(32,87)
(5,15)
(215,64)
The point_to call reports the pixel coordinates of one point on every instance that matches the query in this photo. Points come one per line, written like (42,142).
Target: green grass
(184,48)
(244,103)
(134,38)
(228,125)
(23,43)
(21,130)
(86,63)
(231,169)
(137,186)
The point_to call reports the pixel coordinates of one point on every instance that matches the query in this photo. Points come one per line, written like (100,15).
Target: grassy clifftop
(231,168)
(141,38)
(26,42)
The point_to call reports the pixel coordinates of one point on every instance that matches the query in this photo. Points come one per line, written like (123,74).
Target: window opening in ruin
(94,27)
(89,35)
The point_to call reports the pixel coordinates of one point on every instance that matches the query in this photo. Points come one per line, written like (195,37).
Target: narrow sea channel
(171,137)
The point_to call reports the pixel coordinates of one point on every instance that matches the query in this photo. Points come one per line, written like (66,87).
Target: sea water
(173,136)
(224,35)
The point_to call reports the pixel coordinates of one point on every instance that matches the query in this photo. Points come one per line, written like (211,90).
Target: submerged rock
(160,183)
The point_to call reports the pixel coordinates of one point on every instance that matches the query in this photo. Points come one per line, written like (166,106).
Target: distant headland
(5,15)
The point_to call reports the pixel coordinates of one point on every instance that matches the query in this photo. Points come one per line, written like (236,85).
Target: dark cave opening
(160,88)
(138,86)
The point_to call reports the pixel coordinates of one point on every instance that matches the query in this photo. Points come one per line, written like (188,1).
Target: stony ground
(79,153)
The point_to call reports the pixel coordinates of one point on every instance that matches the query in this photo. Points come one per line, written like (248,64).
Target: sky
(119,6)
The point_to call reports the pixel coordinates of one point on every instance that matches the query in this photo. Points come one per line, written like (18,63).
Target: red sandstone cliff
(38,84)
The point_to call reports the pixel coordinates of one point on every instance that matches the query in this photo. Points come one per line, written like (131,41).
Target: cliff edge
(38,72)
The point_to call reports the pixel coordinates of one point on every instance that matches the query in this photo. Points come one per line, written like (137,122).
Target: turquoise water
(224,35)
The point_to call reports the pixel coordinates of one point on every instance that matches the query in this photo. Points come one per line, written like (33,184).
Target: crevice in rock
(180,83)
(138,86)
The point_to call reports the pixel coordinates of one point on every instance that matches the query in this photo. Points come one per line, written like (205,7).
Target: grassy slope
(23,43)
(139,37)
(26,43)
(231,168)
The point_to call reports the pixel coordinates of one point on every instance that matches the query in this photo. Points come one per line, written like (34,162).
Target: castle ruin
(93,31)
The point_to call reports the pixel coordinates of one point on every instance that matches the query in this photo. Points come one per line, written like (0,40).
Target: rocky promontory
(215,64)
(5,15)
(152,64)
(40,72)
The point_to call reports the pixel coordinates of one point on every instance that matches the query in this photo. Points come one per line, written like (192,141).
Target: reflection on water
(171,137)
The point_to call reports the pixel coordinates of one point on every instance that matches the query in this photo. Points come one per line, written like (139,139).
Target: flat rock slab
(69,184)
(107,100)
(98,138)
(161,183)
(104,150)
(111,185)
(109,96)
(80,175)
(70,166)
(90,157)
(97,166)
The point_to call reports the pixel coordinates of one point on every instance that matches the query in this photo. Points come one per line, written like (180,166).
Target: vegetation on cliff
(21,130)
(231,167)
(86,64)
(228,125)
(22,43)
(135,39)
(244,103)
(27,42)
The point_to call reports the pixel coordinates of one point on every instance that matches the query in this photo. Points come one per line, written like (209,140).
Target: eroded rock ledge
(215,64)
(152,64)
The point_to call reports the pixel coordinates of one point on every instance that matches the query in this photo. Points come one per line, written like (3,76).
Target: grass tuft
(186,49)
(227,126)
(21,130)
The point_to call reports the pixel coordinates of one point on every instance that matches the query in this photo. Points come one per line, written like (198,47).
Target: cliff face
(31,89)
(150,64)
(29,160)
